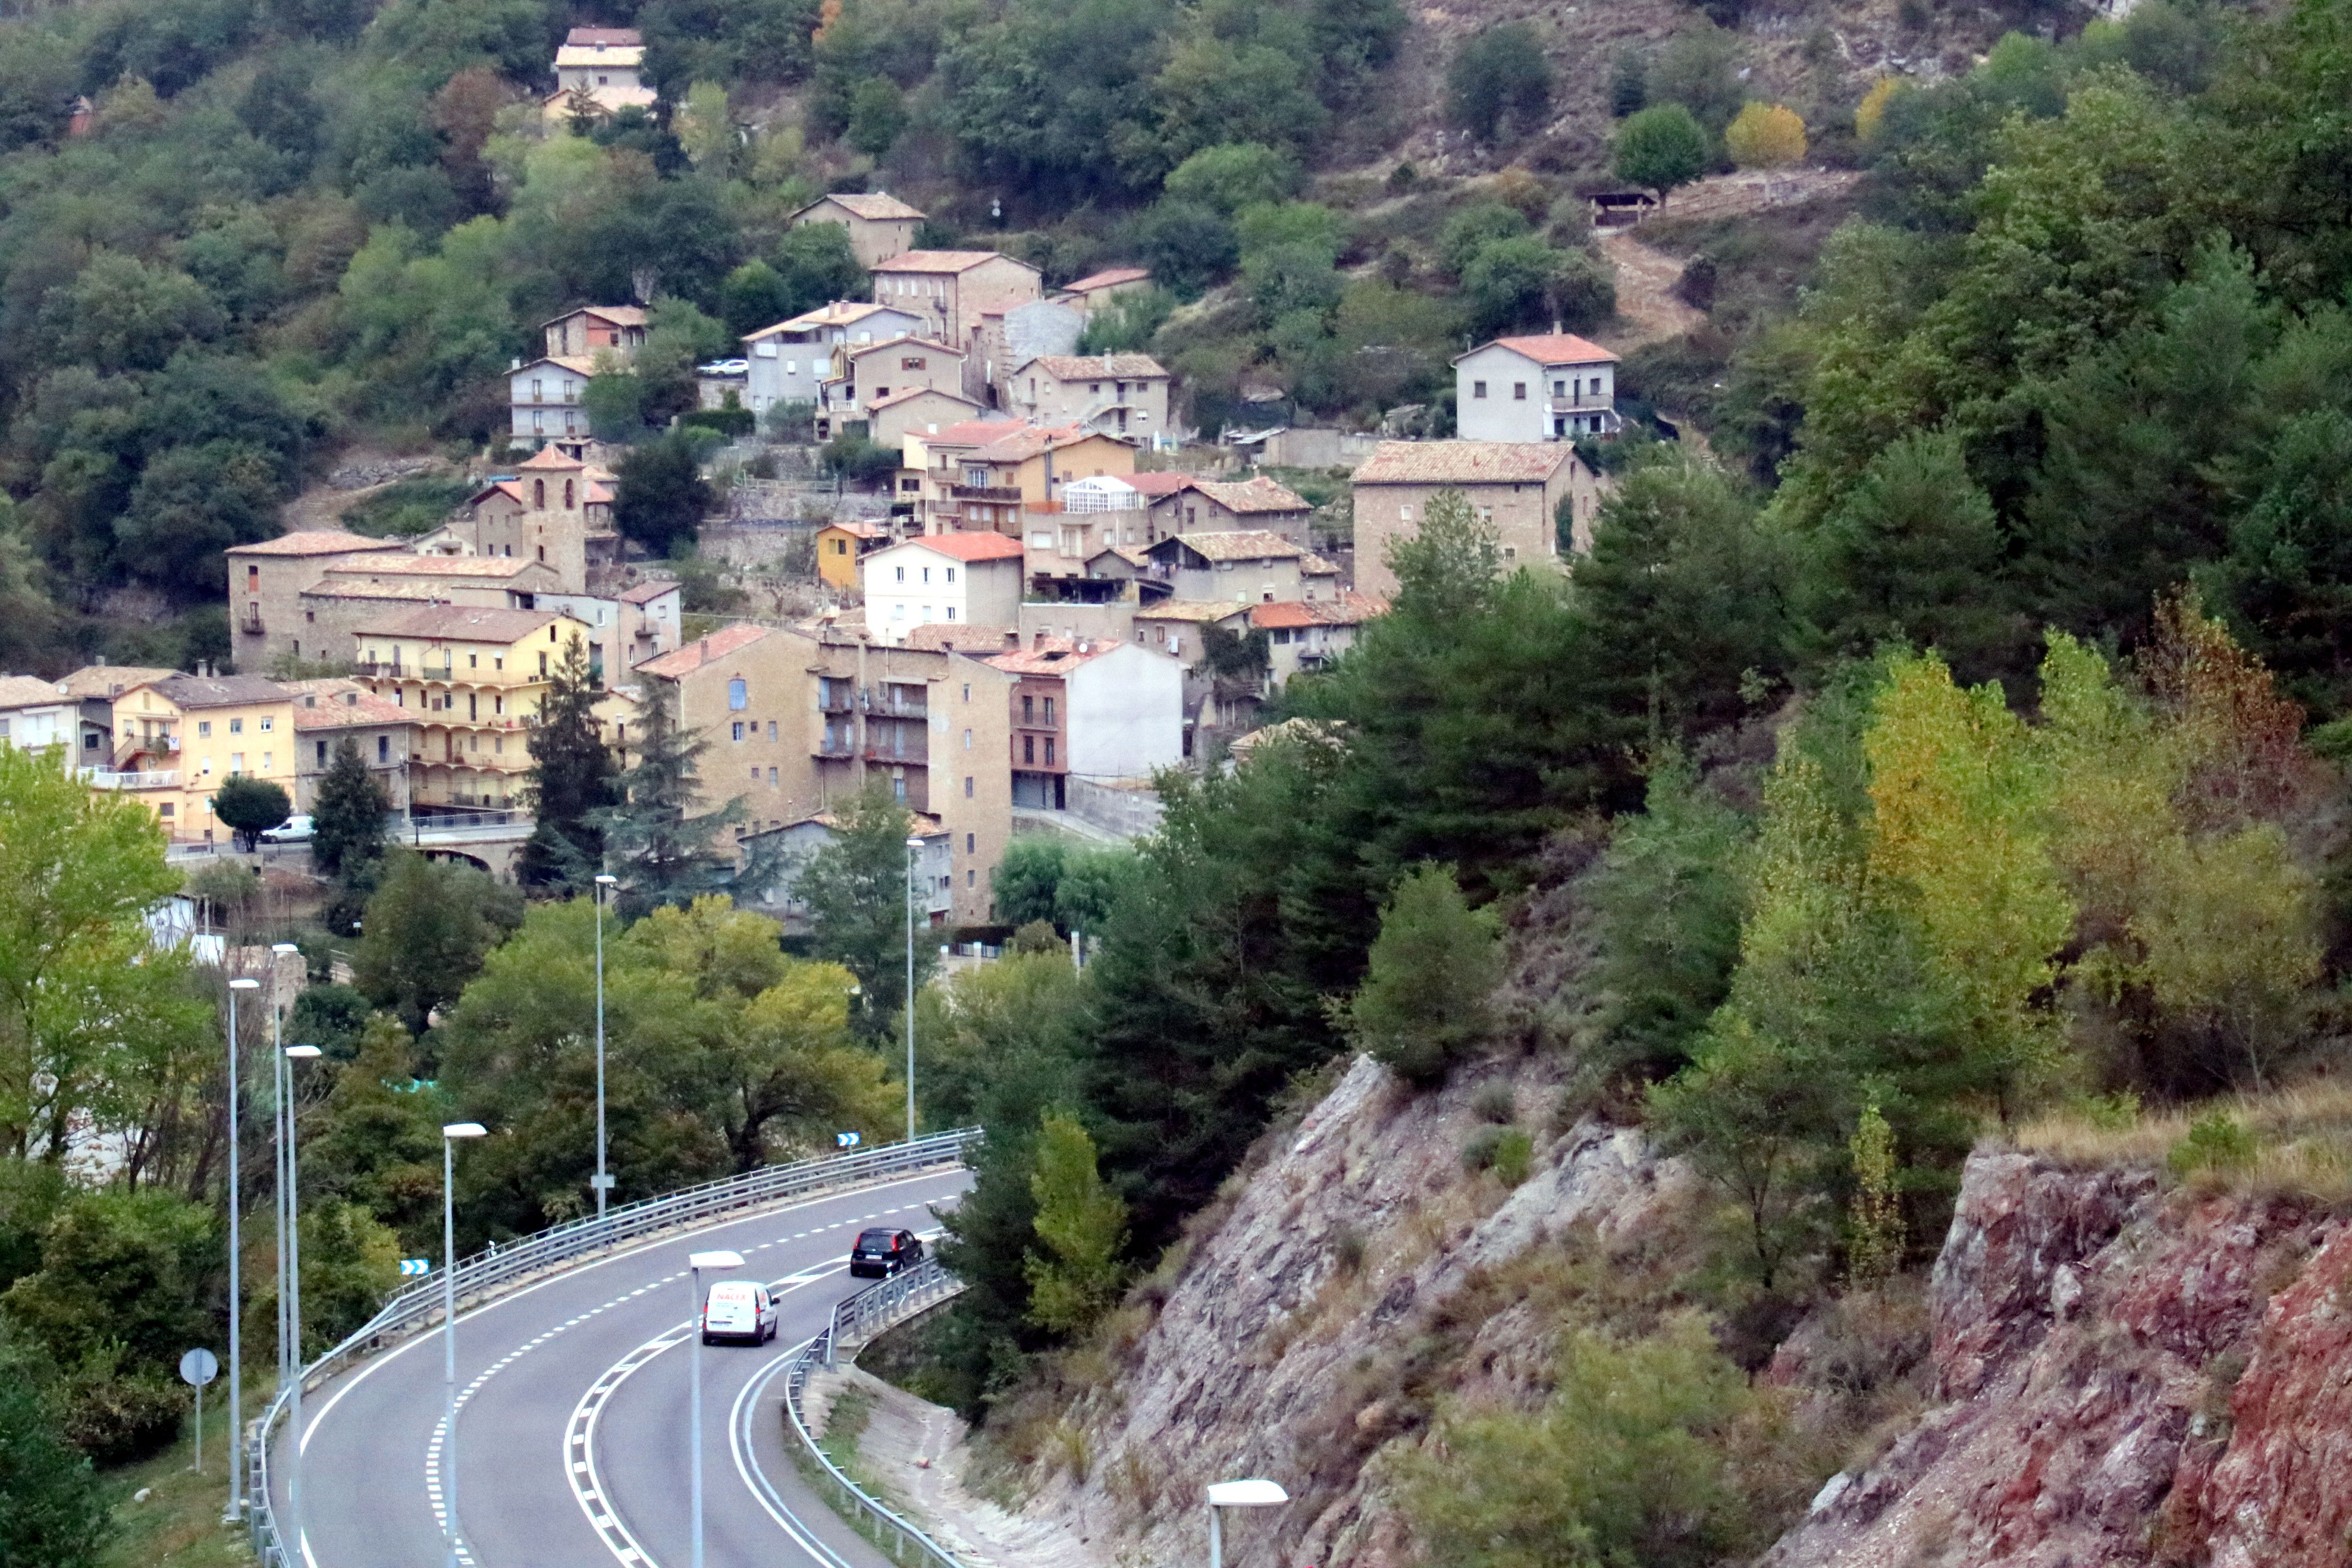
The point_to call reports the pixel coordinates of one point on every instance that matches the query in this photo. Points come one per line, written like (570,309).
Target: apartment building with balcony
(796,725)
(1099,710)
(328,711)
(1241,565)
(1125,394)
(863,375)
(472,679)
(788,362)
(178,738)
(1555,387)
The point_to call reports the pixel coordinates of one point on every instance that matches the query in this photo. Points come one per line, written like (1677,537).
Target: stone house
(1182,503)
(1528,490)
(1240,566)
(327,712)
(598,72)
(265,584)
(962,298)
(862,374)
(1125,394)
(890,419)
(880,226)
(1095,289)
(591,330)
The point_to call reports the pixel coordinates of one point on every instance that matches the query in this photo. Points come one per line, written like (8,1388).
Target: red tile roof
(686,660)
(1161,481)
(958,636)
(1053,656)
(1109,277)
(547,458)
(944,261)
(971,546)
(612,37)
(1559,348)
(643,594)
(314,542)
(1253,495)
(1348,610)
(874,208)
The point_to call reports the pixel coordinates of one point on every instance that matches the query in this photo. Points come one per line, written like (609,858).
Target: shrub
(2217,1143)
(1233,176)
(1766,136)
(1514,1156)
(250,806)
(1870,115)
(116,1417)
(1498,1102)
(1478,1151)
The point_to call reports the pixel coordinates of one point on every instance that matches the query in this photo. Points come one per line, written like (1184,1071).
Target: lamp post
(914,847)
(236,1284)
(716,1262)
(293,1250)
(450,1134)
(603,1179)
(1237,1494)
(280,1084)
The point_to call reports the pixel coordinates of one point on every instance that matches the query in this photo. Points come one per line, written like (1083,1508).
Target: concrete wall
(1127,714)
(1130,810)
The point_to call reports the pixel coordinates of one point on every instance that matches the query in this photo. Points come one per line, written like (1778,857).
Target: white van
(736,1309)
(293,830)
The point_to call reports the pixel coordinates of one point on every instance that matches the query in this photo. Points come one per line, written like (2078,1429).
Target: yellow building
(473,677)
(840,546)
(178,738)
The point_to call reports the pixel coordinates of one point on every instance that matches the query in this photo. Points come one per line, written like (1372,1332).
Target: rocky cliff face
(2126,1378)
(1305,1331)
(2114,1374)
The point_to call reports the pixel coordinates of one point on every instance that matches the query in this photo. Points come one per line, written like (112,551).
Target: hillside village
(1058,599)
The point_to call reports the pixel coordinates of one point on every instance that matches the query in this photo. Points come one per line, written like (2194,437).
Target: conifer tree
(571,778)
(347,819)
(661,853)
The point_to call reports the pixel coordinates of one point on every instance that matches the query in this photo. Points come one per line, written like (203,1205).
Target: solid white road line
(763,1491)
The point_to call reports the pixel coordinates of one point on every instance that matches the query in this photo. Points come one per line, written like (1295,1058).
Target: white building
(970,579)
(597,73)
(545,397)
(1550,388)
(791,361)
(1099,710)
(36,714)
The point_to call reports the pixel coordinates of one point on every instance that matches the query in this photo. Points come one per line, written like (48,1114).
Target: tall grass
(2302,1141)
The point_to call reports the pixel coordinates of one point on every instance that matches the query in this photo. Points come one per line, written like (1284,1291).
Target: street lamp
(716,1262)
(914,847)
(450,1134)
(1237,1494)
(603,1180)
(293,1251)
(280,1082)
(236,1312)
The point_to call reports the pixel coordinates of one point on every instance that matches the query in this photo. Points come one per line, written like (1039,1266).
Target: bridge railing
(498,1268)
(855,1320)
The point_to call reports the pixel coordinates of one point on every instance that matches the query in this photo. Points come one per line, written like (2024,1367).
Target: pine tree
(660,853)
(1083,1225)
(571,778)
(1425,997)
(347,819)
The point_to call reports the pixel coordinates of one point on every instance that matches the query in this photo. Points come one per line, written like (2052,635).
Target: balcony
(896,748)
(837,697)
(391,669)
(837,744)
(886,708)
(251,620)
(1008,495)
(102,778)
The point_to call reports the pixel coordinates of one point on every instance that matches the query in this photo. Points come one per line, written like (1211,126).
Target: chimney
(1555,327)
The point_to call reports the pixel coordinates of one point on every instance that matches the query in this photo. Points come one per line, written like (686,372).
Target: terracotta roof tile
(874,208)
(944,261)
(643,594)
(460,623)
(1108,277)
(1200,610)
(219,690)
(1462,462)
(1259,494)
(27,691)
(1053,656)
(1097,367)
(1558,348)
(314,542)
(959,638)
(973,546)
(1233,544)
(686,660)
(108,679)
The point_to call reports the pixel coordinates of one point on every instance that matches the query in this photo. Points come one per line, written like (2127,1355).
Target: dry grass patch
(2296,1142)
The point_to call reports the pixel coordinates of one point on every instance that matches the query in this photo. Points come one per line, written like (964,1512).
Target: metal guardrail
(498,1268)
(857,1319)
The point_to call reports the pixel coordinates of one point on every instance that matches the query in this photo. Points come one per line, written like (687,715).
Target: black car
(882,1253)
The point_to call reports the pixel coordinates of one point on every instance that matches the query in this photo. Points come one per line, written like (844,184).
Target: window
(950,578)
(236,726)
(538,496)
(207,768)
(497,705)
(967,697)
(1049,722)
(971,846)
(901,577)
(542,664)
(772,784)
(204,732)
(322,763)
(236,762)
(1049,751)
(1028,716)
(771,735)
(738,735)
(265,761)
(952,612)
(382,754)
(1029,748)
(1519,392)
(473,661)
(498,661)
(1477,389)
(737,698)
(1557,390)
(967,746)
(898,790)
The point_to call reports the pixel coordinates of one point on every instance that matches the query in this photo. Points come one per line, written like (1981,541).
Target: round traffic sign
(199,1366)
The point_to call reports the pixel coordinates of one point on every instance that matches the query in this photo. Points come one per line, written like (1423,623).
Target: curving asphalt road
(572,1425)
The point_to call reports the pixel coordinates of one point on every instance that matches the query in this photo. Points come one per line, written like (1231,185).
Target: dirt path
(916,1451)
(1647,310)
